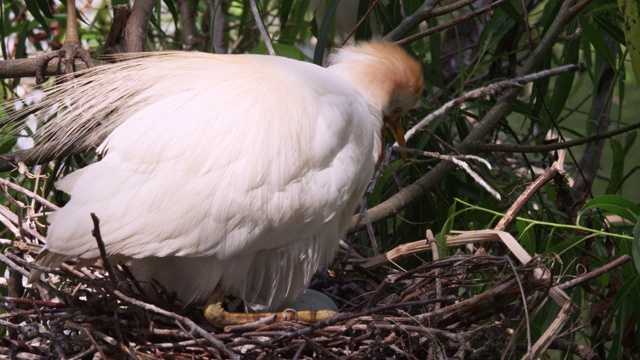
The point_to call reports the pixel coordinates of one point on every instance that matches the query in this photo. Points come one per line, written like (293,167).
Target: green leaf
(563,85)
(172,9)
(22,41)
(629,140)
(157,26)
(285,9)
(617,168)
(526,236)
(43,5)
(515,14)
(612,29)
(246,10)
(323,33)
(565,245)
(625,300)
(435,73)
(158,10)
(635,246)
(297,24)
(441,237)
(629,10)
(364,30)
(498,26)
(550,13)
(596,38)
(34,9)
(613,204)
(285,50)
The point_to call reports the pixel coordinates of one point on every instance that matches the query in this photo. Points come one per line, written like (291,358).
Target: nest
(470,305)
(426,312)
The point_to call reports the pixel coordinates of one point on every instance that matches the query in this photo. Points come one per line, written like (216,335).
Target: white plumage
(236,171)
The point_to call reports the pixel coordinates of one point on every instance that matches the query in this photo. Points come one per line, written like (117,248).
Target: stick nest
(429,311)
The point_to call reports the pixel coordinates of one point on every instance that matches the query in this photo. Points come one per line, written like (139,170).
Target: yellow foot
(219,317)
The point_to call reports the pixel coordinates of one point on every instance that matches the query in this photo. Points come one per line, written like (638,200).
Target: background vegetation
(578,222)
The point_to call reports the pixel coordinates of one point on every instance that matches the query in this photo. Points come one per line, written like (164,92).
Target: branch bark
(138,25)
(412,21)
(15,68)
(188,37)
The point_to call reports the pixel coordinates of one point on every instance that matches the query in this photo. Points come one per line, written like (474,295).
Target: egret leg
(219,317)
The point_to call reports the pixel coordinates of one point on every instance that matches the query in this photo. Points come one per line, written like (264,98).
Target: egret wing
(247,154)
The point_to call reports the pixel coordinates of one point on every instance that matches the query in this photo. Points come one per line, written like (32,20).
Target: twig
(412,21)
(556,169)
(103,251)
(29,193)
(491,90)
(326,354)
(33,302)
(595,273)
(451,23)
(446,9)
(263,31)
(509,148)
(524,302)
(461,164)
(364,17)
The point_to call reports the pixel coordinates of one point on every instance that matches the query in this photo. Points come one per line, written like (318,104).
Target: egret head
(387,76)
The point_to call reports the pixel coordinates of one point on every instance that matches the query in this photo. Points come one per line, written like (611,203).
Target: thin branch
(364,17)
(263,31)
(452,23)
(457,159)
(595,273)
(411,22)
(29,193)
(446,9)
(554,170)
(524,302)
(18,68)
(509,148)
(103,251)
(491,90)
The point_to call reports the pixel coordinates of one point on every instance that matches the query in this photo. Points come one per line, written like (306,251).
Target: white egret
(231,172)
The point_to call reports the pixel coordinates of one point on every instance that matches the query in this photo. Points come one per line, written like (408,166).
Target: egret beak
(397,130)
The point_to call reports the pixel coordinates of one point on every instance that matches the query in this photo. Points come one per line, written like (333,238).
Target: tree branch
(451,23)
(138,25)
(412,21)
(18,68)
(188,32)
